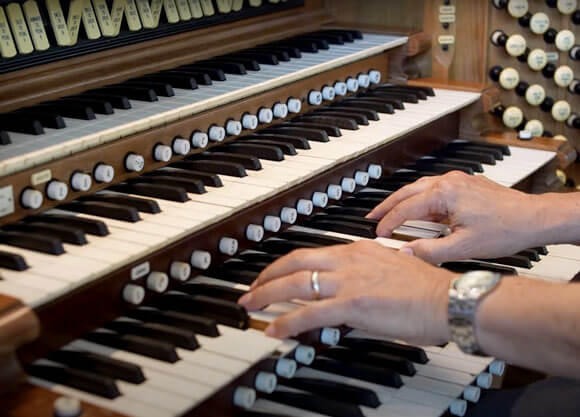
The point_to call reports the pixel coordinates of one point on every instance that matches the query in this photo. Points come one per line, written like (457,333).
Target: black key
(21,124)
(214,291)
(542,250)
(313,238)
(468,155)
(161,89)
(74,111)
(345,36)
(141,204)
(368,202)
(189,185)
(248,161)
(412,353)
(248,63)
(258,257)
(99,364)
(185,82)
(132,92)
(474,165)
(214,167)
(102,209)
(264,55)
(331,38)
(200,78)
(210,180)
(303,46)
(291,51)
(390,362)
(245,277)
(367,104)
(361,371)
(332,390)
(466,266)
(224,312)
(235,264)
(12,261)
(440,167)
(401,96)
(368,113)
(319,42)
(282,247)
(227,67)
(404,176)
(32,241)
(50,120)
(357,118)
(496,153)
(315,135)
(328,128)
(89,226)
(514,260)
(183,338)
(197,324)
(164,192)
(344,227)
(343,217)
(98,105)
(349,211)
(531,254)
(151,348)
(4,138)
(65,233)
(261,58)
(397,104)
(84,381)
(345,33)
(373,194)
(418,95)
(286,148)
(326,406)
(504,149)
(427,90)
(118,101)
(214,72)
(261,151)
(296,141)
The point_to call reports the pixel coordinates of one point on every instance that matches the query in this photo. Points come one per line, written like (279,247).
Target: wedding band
(315,285)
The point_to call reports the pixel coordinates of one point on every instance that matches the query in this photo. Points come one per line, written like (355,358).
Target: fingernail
(245,299)
(407,251)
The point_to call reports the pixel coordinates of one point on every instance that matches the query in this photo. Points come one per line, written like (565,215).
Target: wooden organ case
(148,146)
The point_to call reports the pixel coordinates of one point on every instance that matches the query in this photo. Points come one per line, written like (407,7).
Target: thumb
(436,251)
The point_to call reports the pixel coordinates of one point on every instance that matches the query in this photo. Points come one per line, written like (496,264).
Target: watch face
(476,281)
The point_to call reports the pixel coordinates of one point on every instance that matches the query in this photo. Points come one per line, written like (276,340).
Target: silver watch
(465,293)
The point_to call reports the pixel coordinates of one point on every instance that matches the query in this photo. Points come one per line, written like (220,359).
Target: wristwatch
(465,293)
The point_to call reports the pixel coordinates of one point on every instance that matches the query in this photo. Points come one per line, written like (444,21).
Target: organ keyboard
(144,202)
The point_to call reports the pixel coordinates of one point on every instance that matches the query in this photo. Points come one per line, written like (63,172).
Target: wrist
(441,302)
(556,219)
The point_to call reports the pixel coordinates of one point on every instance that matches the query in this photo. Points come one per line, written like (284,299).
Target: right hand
(487,220)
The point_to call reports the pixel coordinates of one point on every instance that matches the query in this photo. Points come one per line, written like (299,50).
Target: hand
(486,219)
(362,285)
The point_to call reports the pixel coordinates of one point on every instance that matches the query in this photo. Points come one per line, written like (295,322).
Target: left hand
(362,285)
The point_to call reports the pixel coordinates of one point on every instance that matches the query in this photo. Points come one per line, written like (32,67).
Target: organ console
(156,155)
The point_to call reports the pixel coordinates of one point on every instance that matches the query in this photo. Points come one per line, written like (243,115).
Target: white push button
(249,121)
(340,88)
(539,23)
(134,162)
(157,281)
(328,93)
(265,115)
(286,368)
(272,223)
(288,215)
(471,393)
(254,232)
(81,181)
(458,408)
(200,259)
(535,94)
(565,40)
(361,178)
(228,246)
(67,407)
(329,336)
(509,78)
(512,117)
(162,153)
(537,59)
(181,146)
(563,76)
(515,45)
(31,199)
(320,199)
(484,380)
(233,127)
(200,139)
(133,294)
(535,127)
(304,207)
(304,354)
(294,105)
(334,192)
(375,171)
(244,397)
(56,190)
(352,85)
(315,98)
(265,382)
(517,8)
(375,76)
(561,110)
(363,80)
(348,185)
(104,173)
(180,271)
(566,6)
(280,110)
(216,133)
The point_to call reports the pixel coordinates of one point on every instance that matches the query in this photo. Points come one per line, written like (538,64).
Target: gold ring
(315,285)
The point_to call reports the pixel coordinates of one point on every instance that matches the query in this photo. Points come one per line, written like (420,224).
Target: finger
(436,251)
(318,259)
(326,313)
(295,286)
(400,195)
(418,207)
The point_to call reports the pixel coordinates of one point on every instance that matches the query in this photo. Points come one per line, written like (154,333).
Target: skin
(364,285)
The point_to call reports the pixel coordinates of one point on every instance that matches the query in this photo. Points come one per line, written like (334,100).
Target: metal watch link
(465,293)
